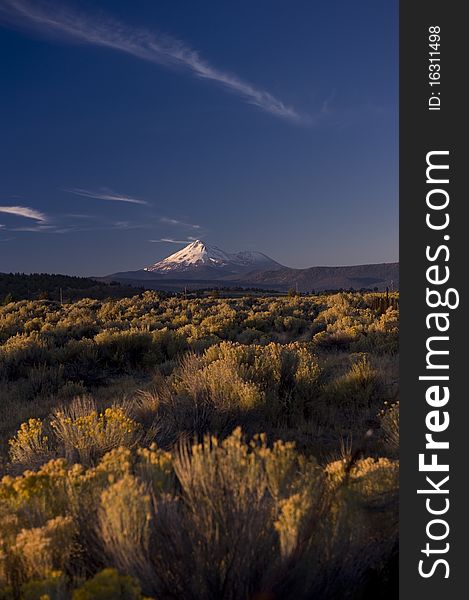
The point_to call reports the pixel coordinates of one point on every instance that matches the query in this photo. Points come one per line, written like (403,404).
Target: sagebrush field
(201,449)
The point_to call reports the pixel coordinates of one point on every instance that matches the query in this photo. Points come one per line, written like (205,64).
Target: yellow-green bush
(124,525)
(86,434)
(43,549)
(357,387)
(198,515)
(215,519)
(52,587)
(278,381)
(79,431)
(21,352)
(109,585)
(30,444)
(92,340)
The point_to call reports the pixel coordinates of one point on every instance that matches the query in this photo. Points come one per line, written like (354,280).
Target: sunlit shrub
(47,548)
(41,494)
(215,519)
(278,381)
(155,467)
(87,434)
(292,513)
(167,345)
(21,352)
(124,522)
(30,444)
(79,431)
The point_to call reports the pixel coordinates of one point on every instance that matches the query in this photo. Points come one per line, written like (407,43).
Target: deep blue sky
(308,175)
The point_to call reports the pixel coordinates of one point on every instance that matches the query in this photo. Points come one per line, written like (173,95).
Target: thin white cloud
(171,241)
(24,211)
(40,228)
(128,225)
(79,216)
(178,223)
(160,49)
(105,195)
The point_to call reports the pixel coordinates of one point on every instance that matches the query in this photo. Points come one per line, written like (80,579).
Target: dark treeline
(66,288)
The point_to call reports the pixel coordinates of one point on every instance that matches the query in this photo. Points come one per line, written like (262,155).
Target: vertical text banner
(434,259)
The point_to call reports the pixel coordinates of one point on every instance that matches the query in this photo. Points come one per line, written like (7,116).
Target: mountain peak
(203,260)
(196,244)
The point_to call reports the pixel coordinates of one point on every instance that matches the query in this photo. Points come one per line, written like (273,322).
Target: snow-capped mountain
(199,266)
(199,259)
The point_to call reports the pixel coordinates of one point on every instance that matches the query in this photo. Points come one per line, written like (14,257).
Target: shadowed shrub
(389,417)
(109,585)
(52,587)
(357,388)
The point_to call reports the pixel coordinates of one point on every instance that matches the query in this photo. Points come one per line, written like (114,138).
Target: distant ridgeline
(41,286)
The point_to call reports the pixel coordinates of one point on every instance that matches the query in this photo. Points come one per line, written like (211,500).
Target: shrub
(274,382)
(86,434)
(30,446)
(78,431)
(389,417)
(218,519)
(124,525)
(123,349)
(21,352)
(52,587)
(47,548)
(109,585)
(357,388)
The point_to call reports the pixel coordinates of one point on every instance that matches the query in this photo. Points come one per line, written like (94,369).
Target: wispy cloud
(78,222)
(171,241)
(80,216)
(160,49)
(105,194)
(36,228)
(24,211)
(177,223)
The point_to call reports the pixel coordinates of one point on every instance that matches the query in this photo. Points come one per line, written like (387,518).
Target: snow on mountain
(199,266)
(200,259)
